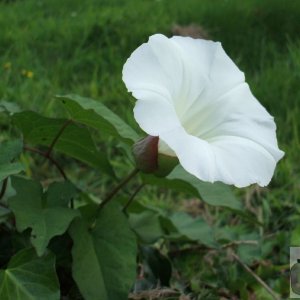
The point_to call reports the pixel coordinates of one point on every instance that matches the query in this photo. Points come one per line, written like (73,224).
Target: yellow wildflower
(29,74)
(7,65)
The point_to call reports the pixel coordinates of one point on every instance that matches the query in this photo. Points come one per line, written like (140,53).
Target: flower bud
(148,160)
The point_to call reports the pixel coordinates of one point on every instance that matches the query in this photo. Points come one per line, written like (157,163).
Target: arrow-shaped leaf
(95,114)
(9,151)
(46,214)
(104,258)
(75,141)
(28,277)
(217,194)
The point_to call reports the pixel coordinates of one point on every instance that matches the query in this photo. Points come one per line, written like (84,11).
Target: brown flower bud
(148,160)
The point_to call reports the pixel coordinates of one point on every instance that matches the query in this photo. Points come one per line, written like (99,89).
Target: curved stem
(256,277)
(3,189)
(52,160)
(132,197)
(117,188)
(60,132)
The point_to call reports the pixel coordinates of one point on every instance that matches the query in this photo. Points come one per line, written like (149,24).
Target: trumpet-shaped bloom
(195,99)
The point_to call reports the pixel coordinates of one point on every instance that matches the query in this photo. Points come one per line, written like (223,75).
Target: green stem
(52,160)
(60,132)
(117,188)
(132,197)
(3,189)
(256,277)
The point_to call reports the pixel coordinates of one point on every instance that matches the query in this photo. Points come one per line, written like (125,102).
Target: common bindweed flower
(193,97)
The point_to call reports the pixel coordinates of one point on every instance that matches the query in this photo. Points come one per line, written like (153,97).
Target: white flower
(195,99)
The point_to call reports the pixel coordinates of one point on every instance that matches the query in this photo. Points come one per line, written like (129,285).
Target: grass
(81,47)
(52,47)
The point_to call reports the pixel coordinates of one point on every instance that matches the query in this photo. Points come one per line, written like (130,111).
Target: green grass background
(79,47)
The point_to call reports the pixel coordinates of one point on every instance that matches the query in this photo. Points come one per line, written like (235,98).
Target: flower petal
(154,66)
(242,162)
(154,114)
(195,155)
(209,72)
(236,113)
(241,115)
(232,160)
(164,66)
(192,95)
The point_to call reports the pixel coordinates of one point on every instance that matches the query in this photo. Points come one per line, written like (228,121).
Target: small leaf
(10,169)
(158,264)
(217,194)
(9,151)
(146,225)
(9,107)
(249,253)
(195,229)
(29,277)
(262,294)
(104,258)
(46,214)
(226,234)
(75,141)
(96,115)
(60,194)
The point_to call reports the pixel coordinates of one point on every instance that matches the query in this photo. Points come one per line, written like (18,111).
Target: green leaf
(295,236)
(46,214)
(262,294)
(104,258)
(146,225)
(10,150)
(4,214)
(157,264)
(9,107)
(226,234)
(195,229)
(75,141)
(217,194)
(95,114)
(10,169)
(29,277)
(249,253)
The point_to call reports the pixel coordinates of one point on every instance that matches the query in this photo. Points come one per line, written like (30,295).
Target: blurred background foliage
(71,46)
